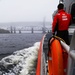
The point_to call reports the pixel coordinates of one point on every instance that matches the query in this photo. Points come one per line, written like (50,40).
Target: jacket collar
(61,10)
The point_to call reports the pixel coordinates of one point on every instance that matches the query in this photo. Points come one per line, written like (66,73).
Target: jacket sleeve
(54,23)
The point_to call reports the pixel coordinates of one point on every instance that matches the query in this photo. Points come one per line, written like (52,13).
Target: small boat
(55,56)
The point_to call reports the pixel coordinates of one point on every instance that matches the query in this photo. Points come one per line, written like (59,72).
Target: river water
(13,42)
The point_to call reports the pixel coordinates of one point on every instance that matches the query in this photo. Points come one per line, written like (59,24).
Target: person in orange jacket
(61,22)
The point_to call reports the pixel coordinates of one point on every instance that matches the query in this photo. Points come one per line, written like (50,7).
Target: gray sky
(27,10)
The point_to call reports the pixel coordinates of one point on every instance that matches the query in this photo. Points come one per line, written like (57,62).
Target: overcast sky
(27,10)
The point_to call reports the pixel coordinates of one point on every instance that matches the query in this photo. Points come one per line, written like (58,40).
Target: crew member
(61,20)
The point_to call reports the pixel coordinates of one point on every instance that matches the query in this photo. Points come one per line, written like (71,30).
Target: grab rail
(71,55)
(41,68)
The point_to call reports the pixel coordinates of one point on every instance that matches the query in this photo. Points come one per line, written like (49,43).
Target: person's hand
(51,40)
(53,33)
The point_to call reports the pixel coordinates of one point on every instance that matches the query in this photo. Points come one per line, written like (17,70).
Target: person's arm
(54,24)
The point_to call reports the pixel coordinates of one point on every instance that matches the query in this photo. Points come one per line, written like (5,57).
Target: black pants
(64,35)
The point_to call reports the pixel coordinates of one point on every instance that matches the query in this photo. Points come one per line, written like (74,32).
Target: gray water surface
(13,42)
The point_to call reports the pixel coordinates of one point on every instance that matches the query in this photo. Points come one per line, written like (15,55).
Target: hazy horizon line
(25,21)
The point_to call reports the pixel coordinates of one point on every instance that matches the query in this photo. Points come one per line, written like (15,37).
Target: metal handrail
(71,54)
(67,48)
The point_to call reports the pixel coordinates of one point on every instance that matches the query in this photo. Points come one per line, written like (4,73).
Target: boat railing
(41,65)
(71,55)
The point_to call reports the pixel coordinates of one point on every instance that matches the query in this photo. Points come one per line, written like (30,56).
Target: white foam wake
(21,62)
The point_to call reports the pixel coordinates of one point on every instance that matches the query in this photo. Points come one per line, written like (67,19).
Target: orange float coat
(63,19)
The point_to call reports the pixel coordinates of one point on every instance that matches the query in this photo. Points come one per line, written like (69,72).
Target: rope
(59,38)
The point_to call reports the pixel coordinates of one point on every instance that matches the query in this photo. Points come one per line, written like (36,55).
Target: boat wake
(21,62)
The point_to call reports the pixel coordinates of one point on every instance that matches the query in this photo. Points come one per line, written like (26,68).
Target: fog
(26,10)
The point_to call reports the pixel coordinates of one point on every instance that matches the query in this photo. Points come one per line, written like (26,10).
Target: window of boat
(73,13)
